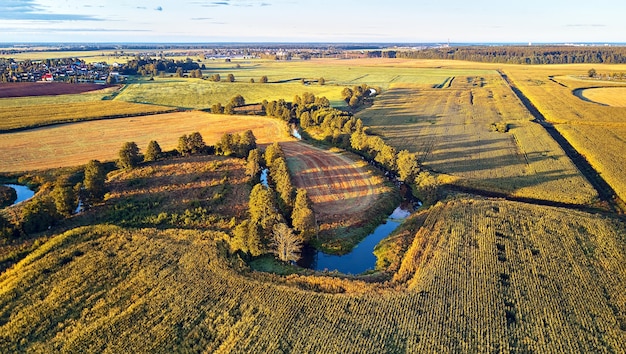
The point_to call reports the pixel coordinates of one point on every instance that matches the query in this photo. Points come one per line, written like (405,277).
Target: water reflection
(23,192)
(362,257)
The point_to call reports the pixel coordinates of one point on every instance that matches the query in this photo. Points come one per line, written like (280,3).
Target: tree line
(517,54)
(281,217)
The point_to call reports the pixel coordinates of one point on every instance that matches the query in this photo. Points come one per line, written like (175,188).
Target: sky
(367,21)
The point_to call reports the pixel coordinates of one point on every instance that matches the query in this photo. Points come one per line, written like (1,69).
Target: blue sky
(312,20)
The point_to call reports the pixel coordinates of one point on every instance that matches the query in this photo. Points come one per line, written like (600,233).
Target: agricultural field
(50,147)
(452,128)
(44,89)
(343,192)
(597,131)
(480,276)
(24,117)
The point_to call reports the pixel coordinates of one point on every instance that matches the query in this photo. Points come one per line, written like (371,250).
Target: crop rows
(449,129)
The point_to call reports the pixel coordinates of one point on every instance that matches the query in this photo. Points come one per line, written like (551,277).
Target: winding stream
(23,192)
(362,257)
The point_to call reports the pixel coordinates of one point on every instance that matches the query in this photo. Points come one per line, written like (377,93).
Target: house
(47,77)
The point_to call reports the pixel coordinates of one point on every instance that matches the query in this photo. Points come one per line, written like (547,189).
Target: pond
(23,192)
(362,257)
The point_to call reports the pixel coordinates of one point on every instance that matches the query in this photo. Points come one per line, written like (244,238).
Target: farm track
(605,191)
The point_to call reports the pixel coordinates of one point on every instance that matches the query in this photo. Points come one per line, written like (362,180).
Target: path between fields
(334,183)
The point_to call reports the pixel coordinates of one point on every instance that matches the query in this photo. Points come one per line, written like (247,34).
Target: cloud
(586,25)
(158,8)
(29,10)
(67,30)
(201,18)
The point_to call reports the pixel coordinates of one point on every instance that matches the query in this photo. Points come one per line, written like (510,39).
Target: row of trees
(359,95)
(521,54)
(273,207)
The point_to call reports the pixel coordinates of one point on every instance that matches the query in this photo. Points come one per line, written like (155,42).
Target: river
(23,192)
(361,258)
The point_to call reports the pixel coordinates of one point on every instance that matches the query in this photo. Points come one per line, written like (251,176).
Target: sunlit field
(598,132)
(76,144)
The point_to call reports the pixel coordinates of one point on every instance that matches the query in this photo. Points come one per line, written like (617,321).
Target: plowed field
(23,89)
(339,187)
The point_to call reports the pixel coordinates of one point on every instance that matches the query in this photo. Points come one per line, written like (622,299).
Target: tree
(196,143)
(253,165)
(592,72)
(231,78)
(303,218)
(216,78)
(93,182)
(282,180)
(247,142)
(263,79)
(321,81)
(286,244)
(262,207)
(179,72)
(128,156)
(247,238)
(272,152)
(408,166)
(237,101)
(251,80)
(226,145)
(64,196)
(38,215)
(217,108)
(153,151)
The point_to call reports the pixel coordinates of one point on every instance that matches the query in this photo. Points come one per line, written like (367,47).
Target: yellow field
(597,132)
(449,128)
(610,96)
(77,143)
(482,276)
(45,114)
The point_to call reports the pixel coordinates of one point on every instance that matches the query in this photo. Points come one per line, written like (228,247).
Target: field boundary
(605,191)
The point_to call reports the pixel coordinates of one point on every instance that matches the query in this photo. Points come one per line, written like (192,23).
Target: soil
(24,89)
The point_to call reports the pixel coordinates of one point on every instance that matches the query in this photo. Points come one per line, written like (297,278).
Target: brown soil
(23,89)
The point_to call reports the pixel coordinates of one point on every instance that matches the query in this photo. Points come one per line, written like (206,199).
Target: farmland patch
(23,89)
(607,96)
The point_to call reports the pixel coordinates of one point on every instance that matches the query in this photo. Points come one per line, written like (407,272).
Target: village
(64,70)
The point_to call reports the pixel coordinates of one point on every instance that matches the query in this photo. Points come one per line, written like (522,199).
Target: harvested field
(340,188)
(451,129)
(77,143)
(598,132)
(24,89)
(24,117)
(608,96)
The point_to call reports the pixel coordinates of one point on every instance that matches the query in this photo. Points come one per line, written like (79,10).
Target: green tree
(230,78)
(282,180)
(247,238)
(93,183)
(303,218)
(128,156)
(592,72)
(262,207)
(272,152)
(196,143)
(247,142)
(38,215)
(217,108)
(286,245)
(153,151)
(408,166)
(253,165)
(6,228)
(64,196)
(264,79)
(226,145)
(237,101)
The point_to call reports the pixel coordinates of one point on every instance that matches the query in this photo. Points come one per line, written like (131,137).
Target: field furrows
(333,182)
(450,131)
